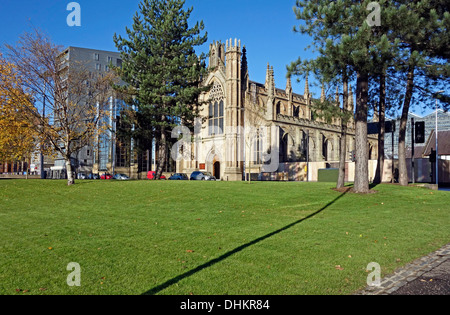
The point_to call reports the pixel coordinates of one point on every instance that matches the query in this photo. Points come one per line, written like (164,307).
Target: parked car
(179,176)
(81,176)
(151,175)
(121,177)
(198,175)
(93,176)
(106,176)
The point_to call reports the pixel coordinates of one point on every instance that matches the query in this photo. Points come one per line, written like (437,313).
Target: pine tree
(345,43)
(410,44)
(422,27)
(162,71)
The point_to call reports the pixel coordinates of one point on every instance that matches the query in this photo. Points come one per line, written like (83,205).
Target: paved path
(429,275)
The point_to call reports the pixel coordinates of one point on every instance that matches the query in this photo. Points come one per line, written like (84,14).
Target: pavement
(429,275)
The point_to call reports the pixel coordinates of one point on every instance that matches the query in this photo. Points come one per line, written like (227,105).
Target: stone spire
(270,81)
(244,69)
(322,94)
(350,99)
(289,95)
(270,88)
(306,95)
(288,85)
(337,101)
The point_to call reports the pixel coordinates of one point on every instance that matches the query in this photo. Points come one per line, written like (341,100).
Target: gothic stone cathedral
(247,125)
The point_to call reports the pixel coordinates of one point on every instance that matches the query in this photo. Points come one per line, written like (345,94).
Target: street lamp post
(437,149)
(42,166)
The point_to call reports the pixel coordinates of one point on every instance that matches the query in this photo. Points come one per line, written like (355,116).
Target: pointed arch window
(325,147)
(258,145)
(215,123)
(216,111)
(297,111)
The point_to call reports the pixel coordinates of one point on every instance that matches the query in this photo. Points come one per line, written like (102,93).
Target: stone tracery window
(216,110)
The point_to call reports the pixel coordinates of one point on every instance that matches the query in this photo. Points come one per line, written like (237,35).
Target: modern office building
(107,153)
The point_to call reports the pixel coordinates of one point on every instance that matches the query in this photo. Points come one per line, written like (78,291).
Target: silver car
(199,175)
(121,177)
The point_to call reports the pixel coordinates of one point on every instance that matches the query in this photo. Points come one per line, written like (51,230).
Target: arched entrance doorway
(213,164)
(216,170)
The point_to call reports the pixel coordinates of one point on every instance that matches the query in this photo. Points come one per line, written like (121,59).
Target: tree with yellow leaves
(76,100)
(18,139)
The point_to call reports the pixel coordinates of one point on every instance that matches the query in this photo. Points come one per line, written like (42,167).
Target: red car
(151,175)
(106,176)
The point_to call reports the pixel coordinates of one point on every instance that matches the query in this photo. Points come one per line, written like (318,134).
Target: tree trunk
(70,178)
(250,162)
(402,169)
(361,169)
(162,153)
(381,133)
(343,140)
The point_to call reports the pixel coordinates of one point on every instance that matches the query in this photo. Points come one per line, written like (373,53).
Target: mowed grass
(145,237)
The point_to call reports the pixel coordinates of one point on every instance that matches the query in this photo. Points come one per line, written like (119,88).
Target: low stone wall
(11,176)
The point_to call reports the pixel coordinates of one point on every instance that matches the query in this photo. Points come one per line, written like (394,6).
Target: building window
(110,59)
(123,153)
(216,111)
(107,68)
(216,118)
(325,148)
(96,57)
(257,148)
(297,111)
(304,145)
(144,161)
(283,147)
(98,67)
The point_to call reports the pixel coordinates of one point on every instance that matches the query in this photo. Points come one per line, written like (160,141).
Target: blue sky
(265,27)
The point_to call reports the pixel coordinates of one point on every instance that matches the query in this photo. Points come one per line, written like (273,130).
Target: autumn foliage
(17,137)
(61,104)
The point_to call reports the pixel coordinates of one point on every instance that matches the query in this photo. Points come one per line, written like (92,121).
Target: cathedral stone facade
(251,127)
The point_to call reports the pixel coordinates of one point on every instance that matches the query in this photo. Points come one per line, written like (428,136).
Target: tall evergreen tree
(162,70)
(408,43)
(422,27)
(342,36)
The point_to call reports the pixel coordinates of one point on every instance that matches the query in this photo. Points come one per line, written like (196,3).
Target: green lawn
(143,237)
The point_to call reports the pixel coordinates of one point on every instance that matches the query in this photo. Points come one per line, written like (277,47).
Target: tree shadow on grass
(212,262)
